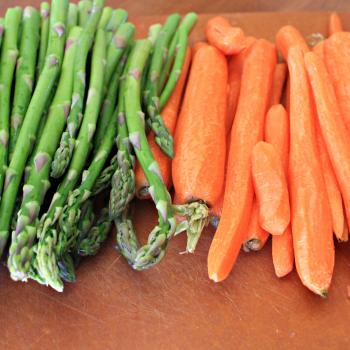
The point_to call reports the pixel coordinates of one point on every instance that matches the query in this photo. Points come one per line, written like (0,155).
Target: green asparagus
(8,61)
(34,113)
(181,47)
(84,8)
(119,16)
(72,19)
(38,183)
(44,36)
(2,30)
(50,246)
(25,73)
(105,17)
(64,152)
(154,250)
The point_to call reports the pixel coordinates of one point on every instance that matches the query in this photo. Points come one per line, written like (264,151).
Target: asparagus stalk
(34,113)
(64,152)
(91,244)
(119,16)
(114,54)
(25,72)
(2,30)
(154,250)
(84,7)
(51,247)
(35,188)
(44,35)
(105,17)
(9,56)
(181,47)
(72,19)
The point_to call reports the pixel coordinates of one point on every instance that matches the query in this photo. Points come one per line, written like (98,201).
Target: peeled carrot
(197,46)
(271,189)
(332,187)
(169,114)
(277,133)
(235,67)
(335,24)
(256,236)
(332,125)
(311,216)
(222,35)
(345,236)
(337,58)
(247,130)
(287,37)
(318,49)
(198,166)
(279,79)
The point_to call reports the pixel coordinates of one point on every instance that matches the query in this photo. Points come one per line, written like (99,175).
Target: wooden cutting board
(174,305)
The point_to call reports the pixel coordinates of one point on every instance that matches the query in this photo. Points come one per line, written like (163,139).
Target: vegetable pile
(254,145)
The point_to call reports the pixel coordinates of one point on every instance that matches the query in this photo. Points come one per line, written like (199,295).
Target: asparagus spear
(64,152)
(25,72)
(38,181)
(154,250)
(49,249)
(181,47)
(34,113)
(2,30)
(84,7)
(72,19)
(91,244)
(44,35)
(119,16)
(105,17)
(104,179)
(114,53)
(155,121)
(9,56)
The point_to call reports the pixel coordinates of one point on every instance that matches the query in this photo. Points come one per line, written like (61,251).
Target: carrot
(337,58)
(335,24)
(197,46)
(221,34)
(287,37)
(271,188)
(247,130)
(169,114)
(332,187)
(332,125)
(318,49)
(311,217)
(277,133)
(235,67)
(198,166)
(279,80)
(287,96)
(256,236)
(345,236)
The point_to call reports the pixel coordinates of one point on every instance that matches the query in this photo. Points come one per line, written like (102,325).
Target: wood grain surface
(174,305)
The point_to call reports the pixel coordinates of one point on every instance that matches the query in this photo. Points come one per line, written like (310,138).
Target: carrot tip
(324,293)
(252,245)
(214,277)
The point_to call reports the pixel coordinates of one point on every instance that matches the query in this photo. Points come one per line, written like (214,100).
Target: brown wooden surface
(174,305)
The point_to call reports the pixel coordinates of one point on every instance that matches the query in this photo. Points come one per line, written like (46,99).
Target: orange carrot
(247,130)
(337,58)
(235,67)
(287,37)
(197,46)
(277,133)
(332,125)
(332,187)
(221,34)
(345,236)
(335,24)
(278,83)
(256,236)
(287,96)
(199,163)
(311,217)
(271,189)
(318,49)
(169,114)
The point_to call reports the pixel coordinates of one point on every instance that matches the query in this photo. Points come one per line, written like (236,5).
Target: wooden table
(174,305)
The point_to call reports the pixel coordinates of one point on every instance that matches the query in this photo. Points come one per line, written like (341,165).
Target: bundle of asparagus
(84,93)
